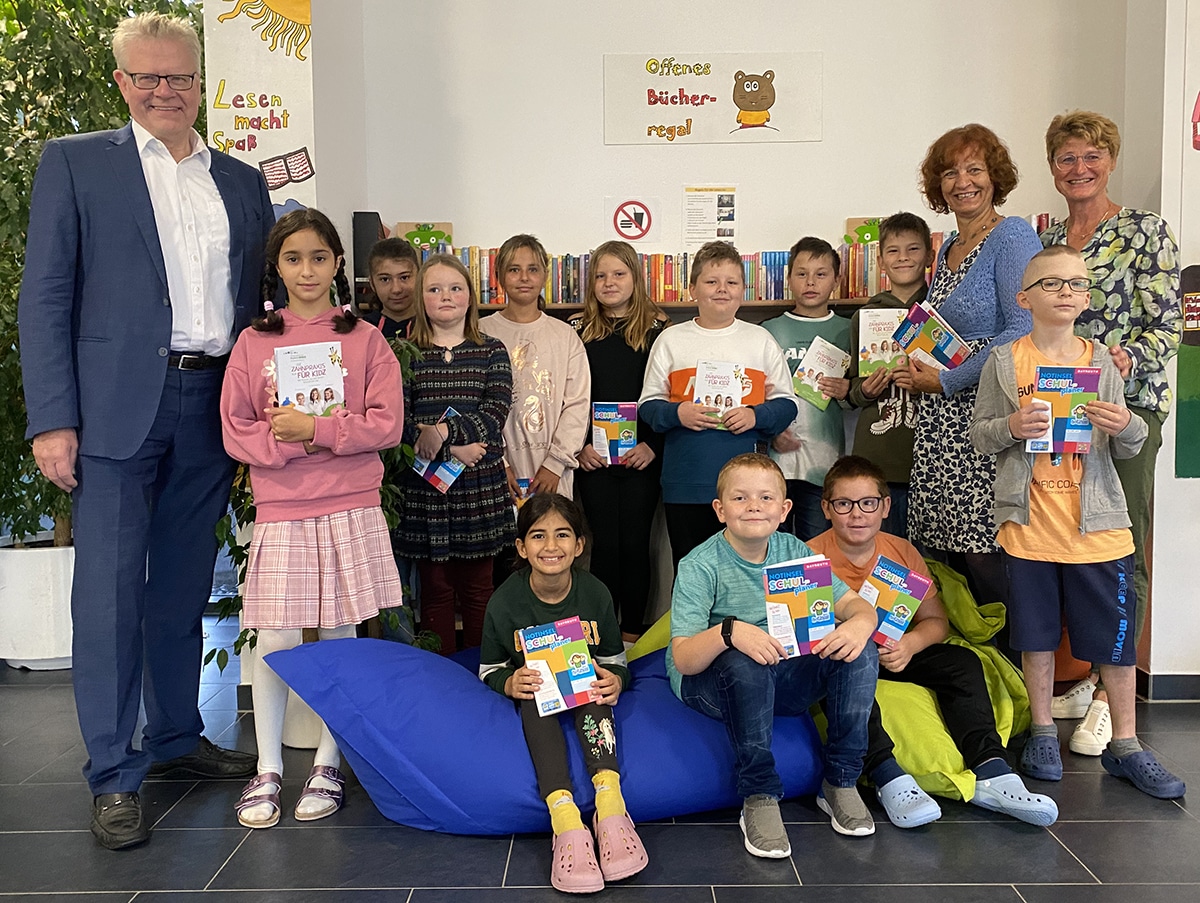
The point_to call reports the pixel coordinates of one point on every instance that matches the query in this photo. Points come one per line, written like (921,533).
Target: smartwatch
(727,631)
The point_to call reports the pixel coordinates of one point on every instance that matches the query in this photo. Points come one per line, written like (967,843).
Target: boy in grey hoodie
(1063,522)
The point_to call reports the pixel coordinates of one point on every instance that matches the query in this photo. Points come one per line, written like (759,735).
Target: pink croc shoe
(575,870)
(621,850)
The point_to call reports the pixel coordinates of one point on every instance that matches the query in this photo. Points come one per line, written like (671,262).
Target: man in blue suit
(143,262)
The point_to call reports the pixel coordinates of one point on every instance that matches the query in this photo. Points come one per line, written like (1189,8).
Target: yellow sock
(608,793)
(564,814)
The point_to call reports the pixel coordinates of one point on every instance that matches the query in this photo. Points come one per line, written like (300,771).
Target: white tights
(270,695)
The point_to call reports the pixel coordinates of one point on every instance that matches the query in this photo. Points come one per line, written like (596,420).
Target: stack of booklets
(559,653)
(440,475)
(309,378)
(1065,392)
(614,429)
(800,600)
(877,350)
(895,591)
(926,336)
(823,358)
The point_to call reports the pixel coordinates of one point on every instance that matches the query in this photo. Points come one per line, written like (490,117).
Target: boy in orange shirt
(1064,526)
(856,501)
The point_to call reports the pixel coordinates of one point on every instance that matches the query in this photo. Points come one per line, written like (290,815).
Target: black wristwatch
(727,631)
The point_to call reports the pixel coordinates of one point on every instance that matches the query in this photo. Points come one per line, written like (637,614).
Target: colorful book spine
(799,599)
(1065,392)
(895,591)
(559,653)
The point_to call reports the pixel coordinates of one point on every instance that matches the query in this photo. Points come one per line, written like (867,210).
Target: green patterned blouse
(1134,263)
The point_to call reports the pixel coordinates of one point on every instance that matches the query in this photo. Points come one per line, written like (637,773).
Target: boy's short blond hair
(749,461)
(1049,254)
(713,252)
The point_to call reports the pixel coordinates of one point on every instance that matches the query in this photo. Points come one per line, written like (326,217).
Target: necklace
(1088,231)
(448,355)
(969,239)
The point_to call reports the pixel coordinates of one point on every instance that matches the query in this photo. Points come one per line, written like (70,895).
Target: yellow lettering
(241,122)
(276,100)
(219,104)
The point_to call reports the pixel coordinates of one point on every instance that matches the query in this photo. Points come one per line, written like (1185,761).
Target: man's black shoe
(210,761)
(117,821)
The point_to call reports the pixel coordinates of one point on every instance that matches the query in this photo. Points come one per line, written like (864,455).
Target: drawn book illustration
(799,602)
(614,429)
(559,653)
(877,350)
(895,591)
(294,166)
(1066,390)
(719,384)
(823,358)
(309,377)
(927,337)
(440,474)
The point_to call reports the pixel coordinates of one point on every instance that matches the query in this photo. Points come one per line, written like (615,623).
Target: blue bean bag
(437,749)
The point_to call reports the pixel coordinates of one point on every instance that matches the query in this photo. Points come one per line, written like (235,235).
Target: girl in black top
(618,325)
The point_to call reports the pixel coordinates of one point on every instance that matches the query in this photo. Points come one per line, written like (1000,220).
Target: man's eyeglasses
(869,505)
(1053,284)
(148,81)
(1067,162)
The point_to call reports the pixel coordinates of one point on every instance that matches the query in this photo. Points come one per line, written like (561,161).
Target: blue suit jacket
(95,312)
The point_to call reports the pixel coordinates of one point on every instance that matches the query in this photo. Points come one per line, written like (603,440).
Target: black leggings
(955,675)
(548,747)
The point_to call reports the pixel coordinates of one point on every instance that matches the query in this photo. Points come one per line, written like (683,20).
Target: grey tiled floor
(1111,844)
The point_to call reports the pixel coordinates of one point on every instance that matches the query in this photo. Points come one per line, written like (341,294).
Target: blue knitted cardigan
(985,303)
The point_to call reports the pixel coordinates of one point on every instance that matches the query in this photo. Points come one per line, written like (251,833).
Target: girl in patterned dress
(455,406)
(321,556)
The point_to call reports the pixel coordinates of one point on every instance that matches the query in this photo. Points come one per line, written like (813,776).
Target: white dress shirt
(193,231)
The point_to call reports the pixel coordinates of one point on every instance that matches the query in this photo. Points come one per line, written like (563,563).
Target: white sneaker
(1094,731)
(1074,703)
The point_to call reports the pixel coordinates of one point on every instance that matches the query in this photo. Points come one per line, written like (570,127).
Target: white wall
(490,115)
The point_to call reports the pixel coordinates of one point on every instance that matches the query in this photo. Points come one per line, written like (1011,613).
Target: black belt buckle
(189,361)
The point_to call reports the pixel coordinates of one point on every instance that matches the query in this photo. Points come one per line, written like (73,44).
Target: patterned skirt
(323,571)
(950,493)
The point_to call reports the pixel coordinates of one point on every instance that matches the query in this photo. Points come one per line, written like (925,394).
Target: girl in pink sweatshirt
(321,556)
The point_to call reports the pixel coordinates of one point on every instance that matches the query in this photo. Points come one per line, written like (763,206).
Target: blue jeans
(896,522)
(747,696)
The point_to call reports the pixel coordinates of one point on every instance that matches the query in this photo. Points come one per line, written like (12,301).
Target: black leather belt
(185,361)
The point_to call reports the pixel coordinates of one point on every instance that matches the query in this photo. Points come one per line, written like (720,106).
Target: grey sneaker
(762,826)
(847,812)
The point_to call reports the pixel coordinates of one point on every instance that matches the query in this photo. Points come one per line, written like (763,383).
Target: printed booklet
(1066,392)
(799,602)
(895,591)
(614,429)
(559,653)
(823,358)
(926,336)
(877,350)
(309,377)
(719,384)
(440,475)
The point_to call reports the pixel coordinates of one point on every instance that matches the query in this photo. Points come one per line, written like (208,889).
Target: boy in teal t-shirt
(807,449)
(724,664)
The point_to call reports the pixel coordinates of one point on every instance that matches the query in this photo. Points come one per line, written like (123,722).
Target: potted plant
(55,79)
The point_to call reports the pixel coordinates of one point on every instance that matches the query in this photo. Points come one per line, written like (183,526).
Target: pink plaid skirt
(320,572)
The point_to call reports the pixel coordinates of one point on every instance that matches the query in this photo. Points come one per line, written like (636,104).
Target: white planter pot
(35,607)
